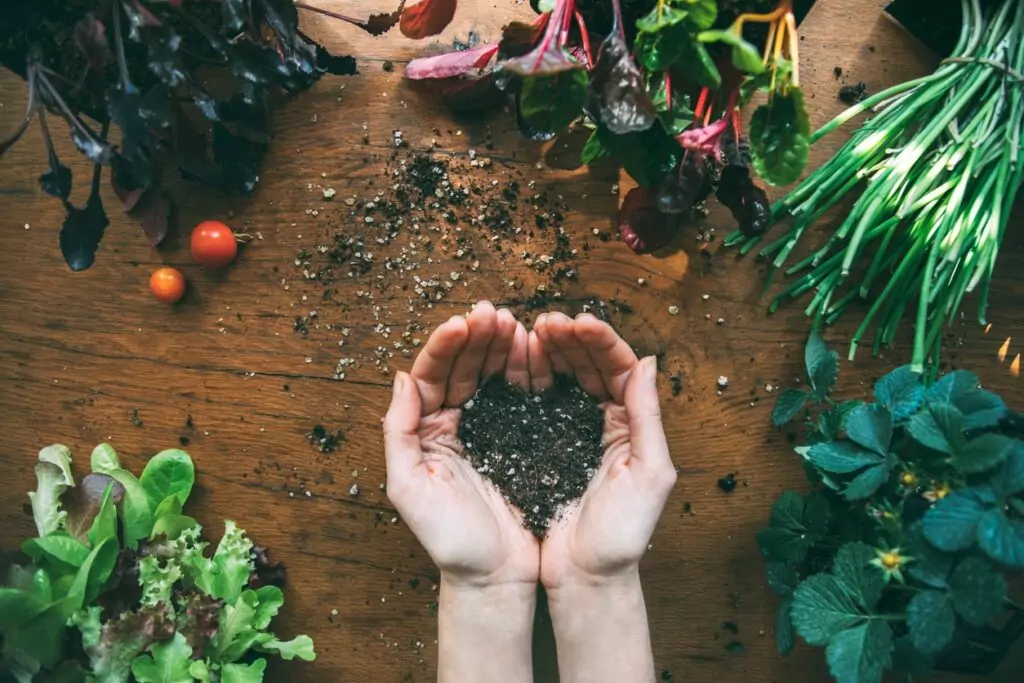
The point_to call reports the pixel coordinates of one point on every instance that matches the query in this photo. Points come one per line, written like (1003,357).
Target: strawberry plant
(659,87)
(898,559)
(118,586)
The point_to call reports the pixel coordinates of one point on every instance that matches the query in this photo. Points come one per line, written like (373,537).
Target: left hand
(467,528)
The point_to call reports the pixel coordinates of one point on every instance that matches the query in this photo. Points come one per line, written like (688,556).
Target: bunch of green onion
(939,164)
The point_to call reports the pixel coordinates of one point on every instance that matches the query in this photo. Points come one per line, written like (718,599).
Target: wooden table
(226,371)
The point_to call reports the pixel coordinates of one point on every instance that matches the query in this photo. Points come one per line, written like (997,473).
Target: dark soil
(539,450)
(852,94)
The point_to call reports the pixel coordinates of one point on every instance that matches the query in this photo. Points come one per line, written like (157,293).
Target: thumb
(402,451)
(647,436)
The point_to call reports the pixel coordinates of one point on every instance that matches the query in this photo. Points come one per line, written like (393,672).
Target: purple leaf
(470,93)
(451,64)
(680,189)
(149,205)
(57,181)
(91,38)
(83,503)
(83,228)
(618,96)
(748,203)
(641,225)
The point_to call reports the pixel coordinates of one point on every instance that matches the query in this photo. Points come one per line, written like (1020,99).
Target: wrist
(581,590)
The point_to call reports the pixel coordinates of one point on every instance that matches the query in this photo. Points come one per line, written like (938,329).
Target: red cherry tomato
(213,244)
(167,285)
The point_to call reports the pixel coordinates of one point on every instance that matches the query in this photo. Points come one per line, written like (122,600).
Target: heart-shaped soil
(540,450)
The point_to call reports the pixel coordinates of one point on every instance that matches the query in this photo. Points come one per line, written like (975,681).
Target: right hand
(604,535)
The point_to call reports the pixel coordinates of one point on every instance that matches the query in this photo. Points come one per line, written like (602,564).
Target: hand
(466,526)
(603,537)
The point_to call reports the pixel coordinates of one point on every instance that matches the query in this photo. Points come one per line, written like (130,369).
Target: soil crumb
(852,94)
(540,450)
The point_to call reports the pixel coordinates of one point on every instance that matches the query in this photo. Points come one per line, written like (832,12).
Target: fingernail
(584,315)
(399,383)
(651,371)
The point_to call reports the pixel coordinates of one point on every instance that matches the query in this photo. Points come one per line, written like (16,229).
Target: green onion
(937,168)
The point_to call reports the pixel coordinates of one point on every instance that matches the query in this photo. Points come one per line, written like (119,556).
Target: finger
(563,333)
(557,360)
(469,364)
(517,370)
(402,450)
(433,366)
(610,354)
(504,335)
(646,433)
(542,377)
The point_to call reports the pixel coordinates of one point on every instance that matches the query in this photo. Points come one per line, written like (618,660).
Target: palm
(463,522)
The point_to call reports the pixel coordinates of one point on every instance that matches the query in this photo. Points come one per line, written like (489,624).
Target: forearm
(485,633)
(601,631)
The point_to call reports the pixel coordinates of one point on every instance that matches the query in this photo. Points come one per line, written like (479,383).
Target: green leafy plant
(895,561)
(118,568)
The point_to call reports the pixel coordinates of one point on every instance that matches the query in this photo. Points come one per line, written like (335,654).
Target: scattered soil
(540,450)
(727,483)
(325,441)
(852,94)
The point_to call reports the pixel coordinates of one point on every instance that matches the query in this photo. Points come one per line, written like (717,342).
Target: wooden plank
(79,352)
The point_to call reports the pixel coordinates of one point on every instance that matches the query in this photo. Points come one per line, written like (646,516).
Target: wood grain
(78,352)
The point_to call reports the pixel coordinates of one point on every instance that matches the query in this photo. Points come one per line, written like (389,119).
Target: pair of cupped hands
(473,535)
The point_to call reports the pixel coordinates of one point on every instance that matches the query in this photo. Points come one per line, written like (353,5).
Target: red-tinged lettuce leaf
(748,203)
(112,646)
(705,139)
(641,225)
(83,503)
(426,18)
(452,63)
(91,38)
(198,617)
(618,98)
(83,228)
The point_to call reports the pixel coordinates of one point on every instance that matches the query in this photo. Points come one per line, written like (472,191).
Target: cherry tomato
(213,244)
(167,285)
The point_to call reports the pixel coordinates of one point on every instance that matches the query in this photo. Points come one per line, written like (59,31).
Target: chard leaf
(780,134)
(787,406)
(53,476)
(167,662)
(931,621)
(551,102)
(83,228)
(861,654)
(642,226)
(618,98)
(549,56)
(451,64)
(593,150)
(243,673)
(426,18)
(169,472)
(745,56)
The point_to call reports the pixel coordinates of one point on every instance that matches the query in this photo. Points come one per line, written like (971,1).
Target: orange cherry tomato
(167,285)
(213,244)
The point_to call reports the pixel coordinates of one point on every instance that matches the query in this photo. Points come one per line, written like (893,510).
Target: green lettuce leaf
(227,572)
(53,476)
(169,472)
(299,646)
(241,673)
(168,662)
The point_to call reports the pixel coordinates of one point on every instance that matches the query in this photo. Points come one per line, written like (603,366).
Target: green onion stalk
(939,164)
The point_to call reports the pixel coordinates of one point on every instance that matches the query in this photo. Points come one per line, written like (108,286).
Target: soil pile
(540,450)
